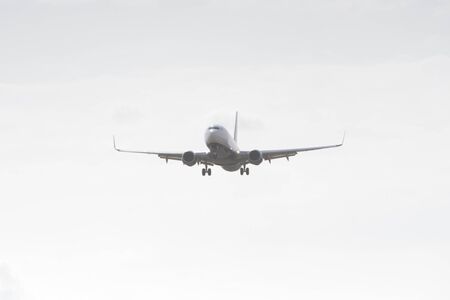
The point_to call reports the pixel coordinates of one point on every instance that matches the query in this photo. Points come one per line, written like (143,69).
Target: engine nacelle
(189,158)
(255,157)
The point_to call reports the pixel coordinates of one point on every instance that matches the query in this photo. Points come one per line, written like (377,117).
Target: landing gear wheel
(203,172)
(247,171)
(241,171)
(209,172)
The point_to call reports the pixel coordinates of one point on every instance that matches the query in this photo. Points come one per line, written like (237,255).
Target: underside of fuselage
(222,156)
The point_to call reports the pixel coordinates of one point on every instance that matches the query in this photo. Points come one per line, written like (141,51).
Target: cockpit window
(214,128)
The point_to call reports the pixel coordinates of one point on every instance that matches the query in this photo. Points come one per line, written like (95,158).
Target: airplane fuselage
(223,148)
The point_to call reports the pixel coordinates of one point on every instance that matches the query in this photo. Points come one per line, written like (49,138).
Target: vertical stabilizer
(236,127)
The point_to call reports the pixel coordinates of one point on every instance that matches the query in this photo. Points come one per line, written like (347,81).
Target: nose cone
(211,131)
(215,135)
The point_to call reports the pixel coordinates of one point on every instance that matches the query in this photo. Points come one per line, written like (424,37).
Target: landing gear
(244,170)
(206,170)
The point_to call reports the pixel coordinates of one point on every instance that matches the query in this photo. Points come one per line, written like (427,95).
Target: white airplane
(224,152)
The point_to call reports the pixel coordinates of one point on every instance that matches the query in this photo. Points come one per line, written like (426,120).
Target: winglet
(343,139)
(114,143)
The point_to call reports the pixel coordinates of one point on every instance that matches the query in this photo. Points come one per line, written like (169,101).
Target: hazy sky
(366,221)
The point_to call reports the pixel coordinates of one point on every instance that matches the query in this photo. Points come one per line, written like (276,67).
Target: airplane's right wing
(202,156)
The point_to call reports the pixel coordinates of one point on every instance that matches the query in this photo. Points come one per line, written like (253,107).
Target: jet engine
(255,157)
(189,158)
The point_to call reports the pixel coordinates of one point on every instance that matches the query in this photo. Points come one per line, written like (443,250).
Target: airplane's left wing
(164,155)
(286,153)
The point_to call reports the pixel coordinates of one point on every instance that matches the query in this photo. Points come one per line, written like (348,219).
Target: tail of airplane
(236,127)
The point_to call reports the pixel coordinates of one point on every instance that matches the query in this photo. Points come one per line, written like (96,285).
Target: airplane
(224,152)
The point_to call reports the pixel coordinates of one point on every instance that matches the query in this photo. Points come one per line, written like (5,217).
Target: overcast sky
(366,221)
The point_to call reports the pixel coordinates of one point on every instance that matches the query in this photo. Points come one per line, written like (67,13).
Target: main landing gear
(206,170)
(244,170)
